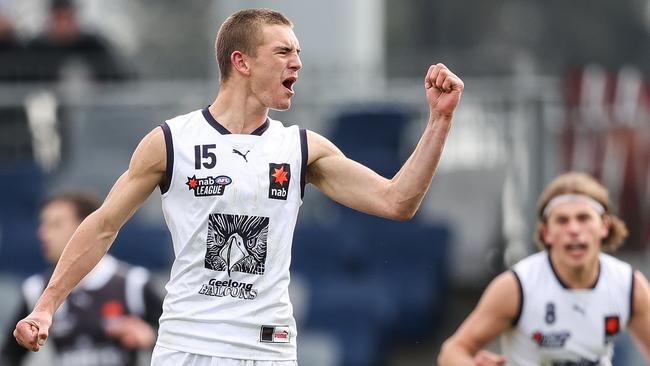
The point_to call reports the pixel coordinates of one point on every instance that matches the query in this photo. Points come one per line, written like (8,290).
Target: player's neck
(237,112)
(577,277)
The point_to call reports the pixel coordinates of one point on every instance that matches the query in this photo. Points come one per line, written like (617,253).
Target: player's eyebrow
(287,49)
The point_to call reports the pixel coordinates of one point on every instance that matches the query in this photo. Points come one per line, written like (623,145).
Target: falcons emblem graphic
(236,243)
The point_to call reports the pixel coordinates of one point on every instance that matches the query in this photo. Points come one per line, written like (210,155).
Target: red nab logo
(279,178)
(612,327)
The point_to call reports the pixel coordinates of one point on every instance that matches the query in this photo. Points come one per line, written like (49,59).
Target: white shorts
(162,356)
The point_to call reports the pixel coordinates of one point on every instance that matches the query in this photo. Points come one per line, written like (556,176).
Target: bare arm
(494,314)
(358,187)
(94,236)
(640,322)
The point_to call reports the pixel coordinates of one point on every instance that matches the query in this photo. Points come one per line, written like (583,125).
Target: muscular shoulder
(504,284)
(150,155)
(319,147)
(502,297)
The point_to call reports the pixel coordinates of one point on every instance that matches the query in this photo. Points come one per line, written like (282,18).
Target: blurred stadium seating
(375,283)
(24,187)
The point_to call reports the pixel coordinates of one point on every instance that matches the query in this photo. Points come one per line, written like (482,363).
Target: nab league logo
(209,186)
(279,178)
(551,339)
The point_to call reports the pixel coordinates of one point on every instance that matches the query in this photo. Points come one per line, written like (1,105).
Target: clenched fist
(443,89)
(32,332)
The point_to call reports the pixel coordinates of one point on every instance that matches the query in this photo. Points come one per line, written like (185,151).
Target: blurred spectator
(111,315)
(10,48)
(64,48)
(15,138)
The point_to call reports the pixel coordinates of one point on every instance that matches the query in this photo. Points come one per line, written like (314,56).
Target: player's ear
(239,62)
(605,227)
(542,229)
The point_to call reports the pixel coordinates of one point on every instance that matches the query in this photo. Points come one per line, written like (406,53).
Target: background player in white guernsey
(232,181)
(565,304)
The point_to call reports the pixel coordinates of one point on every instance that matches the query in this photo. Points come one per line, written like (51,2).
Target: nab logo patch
(279,178)
(612,327)
(210,186)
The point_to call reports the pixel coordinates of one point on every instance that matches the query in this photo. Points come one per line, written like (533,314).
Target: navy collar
(224,131)
(564,285)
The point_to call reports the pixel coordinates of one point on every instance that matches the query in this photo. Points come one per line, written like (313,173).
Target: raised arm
(494,314)
(640,322)
(95,235)
(358,187)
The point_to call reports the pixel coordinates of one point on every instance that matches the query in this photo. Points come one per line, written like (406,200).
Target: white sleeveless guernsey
(231,202)
(558,326)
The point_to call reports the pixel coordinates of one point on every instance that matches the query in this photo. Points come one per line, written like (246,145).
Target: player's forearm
(412,182)
(86,248)
(453,355)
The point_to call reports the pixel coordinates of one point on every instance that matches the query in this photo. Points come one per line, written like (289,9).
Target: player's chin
(281,106)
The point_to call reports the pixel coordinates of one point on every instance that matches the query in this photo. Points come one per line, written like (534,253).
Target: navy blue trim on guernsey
(631,297)
(564,285)
(213,122)
(260,130)
(169,169)
(305,155)
(224,131)
(520,308)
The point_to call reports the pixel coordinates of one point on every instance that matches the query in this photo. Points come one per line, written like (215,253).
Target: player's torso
(560,326)
(231,208)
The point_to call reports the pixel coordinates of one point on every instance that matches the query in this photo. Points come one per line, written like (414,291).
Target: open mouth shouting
(288,84)
(576,249)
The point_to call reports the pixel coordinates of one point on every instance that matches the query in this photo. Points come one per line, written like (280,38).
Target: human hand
(486,358)
(443,89)
(132,332)
(32,331)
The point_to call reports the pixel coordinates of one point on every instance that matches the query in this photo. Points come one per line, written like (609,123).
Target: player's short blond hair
(583,184)
(242,31)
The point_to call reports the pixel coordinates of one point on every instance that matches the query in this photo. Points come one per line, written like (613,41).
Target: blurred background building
(550,86)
